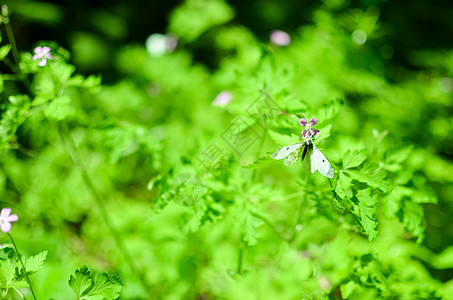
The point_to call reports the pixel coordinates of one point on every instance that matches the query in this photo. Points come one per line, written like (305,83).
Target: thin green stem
(17,291)
(103,210)
(240,255)
(10,35)
(260,148)
(23,266)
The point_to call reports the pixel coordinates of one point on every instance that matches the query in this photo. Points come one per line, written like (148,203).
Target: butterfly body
(318,161)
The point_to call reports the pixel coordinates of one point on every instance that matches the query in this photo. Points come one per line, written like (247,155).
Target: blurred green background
(389,62)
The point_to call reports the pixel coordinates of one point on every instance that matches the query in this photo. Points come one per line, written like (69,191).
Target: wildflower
(279,38)
(308,131)
(6,219)
(43,54)
(222,99)
(158,44)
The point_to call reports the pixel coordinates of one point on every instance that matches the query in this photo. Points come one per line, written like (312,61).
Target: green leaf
(45,87)
(368,207)
(373,176)
(61,71)
(344,184)
(347,289)
(354,158)
(14,116)
(324,133)
(282,139)
(411,215)
(34,263)
(444,260)
(91,82)
(194,17)
(7,272)
(262,161)
(80,282)
(105,287)
(59,108)
(4,51)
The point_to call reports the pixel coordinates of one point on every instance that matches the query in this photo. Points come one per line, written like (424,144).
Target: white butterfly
(291,153)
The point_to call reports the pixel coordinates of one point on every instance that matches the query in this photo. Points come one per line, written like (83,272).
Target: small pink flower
(43,54)
(308,131)
(222,99)
(6,219)
(279,38)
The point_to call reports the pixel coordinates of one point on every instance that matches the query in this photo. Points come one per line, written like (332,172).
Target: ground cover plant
(144,169)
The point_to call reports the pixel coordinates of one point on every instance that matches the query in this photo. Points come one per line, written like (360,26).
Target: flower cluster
(308,131)
(43,54)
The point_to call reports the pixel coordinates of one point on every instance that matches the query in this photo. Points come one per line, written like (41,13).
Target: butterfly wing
(320,163)
(285,151)
(294,156)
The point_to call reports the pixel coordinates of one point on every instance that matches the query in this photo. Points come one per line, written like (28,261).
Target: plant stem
(10,35)
(100,203)
(17,291)
(240,255)
(23,266)
(255,171)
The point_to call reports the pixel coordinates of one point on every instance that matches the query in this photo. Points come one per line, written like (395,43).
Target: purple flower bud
(305,133)
(313,122)
(314,132)
(303,122)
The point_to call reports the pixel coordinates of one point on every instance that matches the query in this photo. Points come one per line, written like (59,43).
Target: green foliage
(142,176)
(12,273)
(103,286)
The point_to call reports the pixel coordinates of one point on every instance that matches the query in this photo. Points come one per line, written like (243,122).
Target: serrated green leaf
(59,108)
(105,287)
(90,82)
(4,50)
(343,185)
(44,87)
(411,215)
(324,133)
(34,263)
(354,158)
(282,139)
(373,176)
(262,161)
(80,282)
(61,71)
(368,207)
